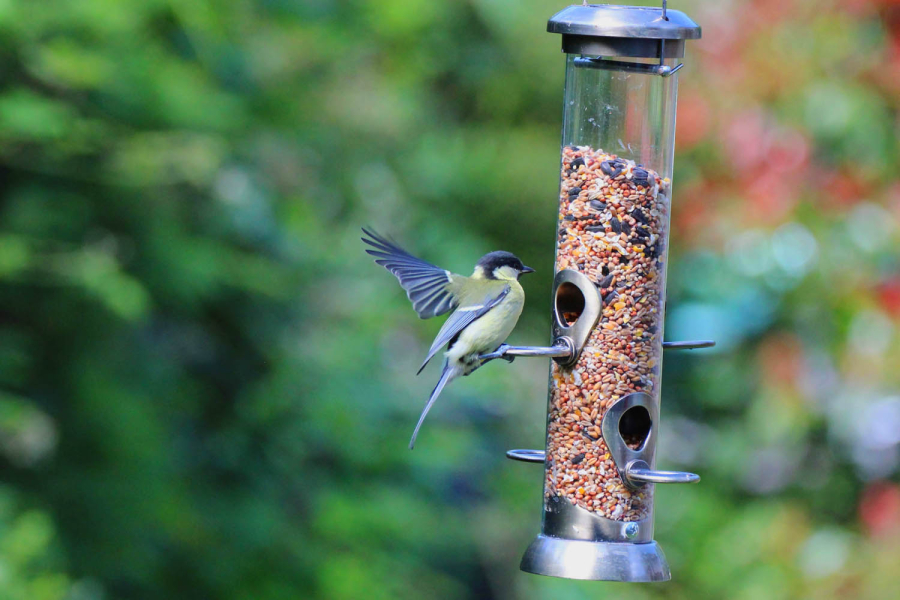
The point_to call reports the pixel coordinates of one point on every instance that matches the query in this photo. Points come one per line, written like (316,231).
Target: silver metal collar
(607,20)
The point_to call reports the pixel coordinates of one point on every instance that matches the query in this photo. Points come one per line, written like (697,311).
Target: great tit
(488,305)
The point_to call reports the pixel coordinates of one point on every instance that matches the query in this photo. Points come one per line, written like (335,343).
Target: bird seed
(614,219)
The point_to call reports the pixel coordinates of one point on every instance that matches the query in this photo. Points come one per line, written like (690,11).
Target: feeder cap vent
(613,30)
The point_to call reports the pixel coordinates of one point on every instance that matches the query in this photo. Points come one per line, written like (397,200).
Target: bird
(486,306)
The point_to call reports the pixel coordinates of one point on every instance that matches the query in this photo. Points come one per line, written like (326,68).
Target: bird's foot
(500,352)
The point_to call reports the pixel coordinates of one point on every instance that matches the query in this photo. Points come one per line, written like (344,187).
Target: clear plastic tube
(614,205)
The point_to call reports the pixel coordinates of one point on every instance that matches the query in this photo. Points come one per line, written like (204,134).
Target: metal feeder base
(597,561)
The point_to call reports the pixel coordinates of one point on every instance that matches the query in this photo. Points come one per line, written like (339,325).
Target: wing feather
(429,288)
(461,318)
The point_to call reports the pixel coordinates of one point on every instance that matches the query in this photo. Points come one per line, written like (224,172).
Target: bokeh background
(206,388)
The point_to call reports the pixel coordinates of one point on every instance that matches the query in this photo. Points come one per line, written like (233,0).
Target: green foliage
(206,387)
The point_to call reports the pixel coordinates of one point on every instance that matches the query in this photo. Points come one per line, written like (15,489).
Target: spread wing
(430,289)
(461,318)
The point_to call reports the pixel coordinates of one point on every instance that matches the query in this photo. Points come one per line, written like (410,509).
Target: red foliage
(781,359)
(879,509)
(889,296)
(693,119)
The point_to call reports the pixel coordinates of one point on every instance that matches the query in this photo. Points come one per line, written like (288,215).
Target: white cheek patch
(506,273)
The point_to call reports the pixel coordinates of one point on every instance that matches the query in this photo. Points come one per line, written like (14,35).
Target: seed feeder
(609,295)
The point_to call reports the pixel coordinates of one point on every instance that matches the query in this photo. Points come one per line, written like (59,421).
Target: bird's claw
(500,352)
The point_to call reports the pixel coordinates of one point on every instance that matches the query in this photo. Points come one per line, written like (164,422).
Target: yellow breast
(492,329)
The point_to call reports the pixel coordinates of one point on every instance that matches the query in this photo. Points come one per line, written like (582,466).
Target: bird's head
(500,265)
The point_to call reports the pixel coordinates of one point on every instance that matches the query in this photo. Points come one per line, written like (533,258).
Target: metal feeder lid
(612,30)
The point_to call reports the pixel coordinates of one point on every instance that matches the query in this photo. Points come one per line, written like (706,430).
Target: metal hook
(531,456)
(691,345)
(628,67)
(563,347)
(638,473)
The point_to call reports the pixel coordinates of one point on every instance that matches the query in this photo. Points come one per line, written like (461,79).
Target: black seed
(568,218)
(641,232)
(610,296)
(620,162)
(616,225)
(575,191)
(577,458)
(562,231)
(597,205)
(595,228)
(604,270)
(641,177)
(578,162)
(605,282)
(626,227)
(585,218)
(638,216)
(613,169)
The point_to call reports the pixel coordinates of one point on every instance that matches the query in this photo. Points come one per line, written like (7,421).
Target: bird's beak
(527,270)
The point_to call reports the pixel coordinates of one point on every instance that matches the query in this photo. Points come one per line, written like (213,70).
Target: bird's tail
(447,375)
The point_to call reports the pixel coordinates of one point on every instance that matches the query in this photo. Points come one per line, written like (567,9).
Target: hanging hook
(663,69)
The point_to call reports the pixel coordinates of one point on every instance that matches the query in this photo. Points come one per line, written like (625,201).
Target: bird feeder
(618,138)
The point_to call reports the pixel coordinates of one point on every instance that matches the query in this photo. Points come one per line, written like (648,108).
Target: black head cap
(494,260)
